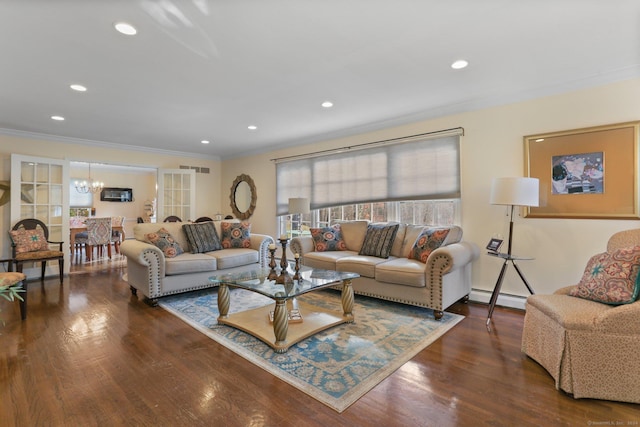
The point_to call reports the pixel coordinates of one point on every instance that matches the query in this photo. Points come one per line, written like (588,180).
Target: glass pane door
(176,193)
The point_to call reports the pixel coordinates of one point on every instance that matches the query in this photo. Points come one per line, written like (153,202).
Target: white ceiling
(206,69)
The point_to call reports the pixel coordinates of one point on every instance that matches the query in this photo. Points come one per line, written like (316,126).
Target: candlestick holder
(297,276)
(284,274)
(272,264)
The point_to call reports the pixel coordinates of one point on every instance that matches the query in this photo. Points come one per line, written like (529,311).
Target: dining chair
(172,218)
(30,243)
(98,236)
(116,235)
(80,239)
(203,219)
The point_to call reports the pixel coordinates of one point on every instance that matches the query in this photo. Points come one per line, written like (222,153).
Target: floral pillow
(29,240)
(235,235)
(428,241)
(611,278)
(328,239)
(165,242)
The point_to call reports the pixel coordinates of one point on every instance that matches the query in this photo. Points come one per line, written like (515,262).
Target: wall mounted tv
(111,194)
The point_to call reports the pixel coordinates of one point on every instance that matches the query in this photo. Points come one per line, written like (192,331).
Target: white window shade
(422,169)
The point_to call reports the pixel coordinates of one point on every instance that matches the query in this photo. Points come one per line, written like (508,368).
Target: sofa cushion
(202,237)
(611,277)
(328,239)
(353,233)
(429,240)
(189,263)
(396,249)
(229,258)
(402,271)
(235,235)
(364,265)
(164,241)
(379,240)
(413,231)
(325,260)
(29,240)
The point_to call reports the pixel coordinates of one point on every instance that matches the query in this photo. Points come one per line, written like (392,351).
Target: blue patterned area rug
(336,366)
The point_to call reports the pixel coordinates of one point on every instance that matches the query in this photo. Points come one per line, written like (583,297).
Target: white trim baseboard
(505,300)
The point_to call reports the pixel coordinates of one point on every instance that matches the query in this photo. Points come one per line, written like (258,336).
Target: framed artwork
(585,173)
(494,245)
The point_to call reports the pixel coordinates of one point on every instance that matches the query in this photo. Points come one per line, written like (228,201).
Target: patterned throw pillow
(202,237)
(165,242)
(29,240)
(611,278)
(328,239)
(379,240)
(235,235)
(428,241)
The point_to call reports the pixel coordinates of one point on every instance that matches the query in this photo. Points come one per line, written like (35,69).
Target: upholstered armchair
(591,349)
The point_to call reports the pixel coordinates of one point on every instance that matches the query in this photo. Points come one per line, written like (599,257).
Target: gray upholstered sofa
(155,275)
(444,279)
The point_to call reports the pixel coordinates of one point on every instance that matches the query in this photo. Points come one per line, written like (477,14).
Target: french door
(40,189)
(176,193)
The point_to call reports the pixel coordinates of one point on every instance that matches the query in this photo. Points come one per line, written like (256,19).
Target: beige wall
(207,185)
(492,147)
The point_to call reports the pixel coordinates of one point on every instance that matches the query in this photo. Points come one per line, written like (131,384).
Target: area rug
(336,366)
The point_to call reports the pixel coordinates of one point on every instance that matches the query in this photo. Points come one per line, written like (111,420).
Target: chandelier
(89,186)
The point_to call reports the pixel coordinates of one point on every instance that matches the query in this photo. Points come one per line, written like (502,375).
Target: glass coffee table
(278,326)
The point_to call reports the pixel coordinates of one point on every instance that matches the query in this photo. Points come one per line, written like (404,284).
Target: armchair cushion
(165,242)
(611,277)
(236,235)
(202,237)
(328,239)
(29,240)
(429,240)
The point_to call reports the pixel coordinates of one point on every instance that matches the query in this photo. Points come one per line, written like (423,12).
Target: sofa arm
(451,257)
(261,242)
(302,245)
(144,254)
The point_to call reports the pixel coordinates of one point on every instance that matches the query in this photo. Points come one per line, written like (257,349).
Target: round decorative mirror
(243,197)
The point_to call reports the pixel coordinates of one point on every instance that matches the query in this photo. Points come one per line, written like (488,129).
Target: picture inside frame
(578,173)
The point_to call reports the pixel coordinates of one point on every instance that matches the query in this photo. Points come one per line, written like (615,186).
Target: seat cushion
(189,263)
(28,256)
(325,260)
(229,258)
(364,265)
(569,312)
(402,271)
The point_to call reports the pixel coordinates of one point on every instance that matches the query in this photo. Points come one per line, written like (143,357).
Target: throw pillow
(202,237)
(328,239)
(235,235)
(611,278)
(379,240)
(29,240)
(165,242)
(428,240)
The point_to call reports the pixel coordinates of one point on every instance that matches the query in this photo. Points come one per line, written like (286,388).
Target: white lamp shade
(515,191)
(299,205)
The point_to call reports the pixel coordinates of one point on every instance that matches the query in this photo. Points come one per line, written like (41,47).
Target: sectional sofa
(440,276)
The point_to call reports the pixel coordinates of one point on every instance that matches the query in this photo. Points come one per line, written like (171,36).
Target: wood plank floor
(91,354)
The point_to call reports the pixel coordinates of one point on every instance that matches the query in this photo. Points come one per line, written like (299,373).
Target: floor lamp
(512,191)
(300,206)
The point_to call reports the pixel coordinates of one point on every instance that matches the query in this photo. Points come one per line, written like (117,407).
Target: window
(413,180)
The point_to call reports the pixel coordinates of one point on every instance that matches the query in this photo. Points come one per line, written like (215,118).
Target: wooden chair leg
(23,303)
(43,267)
(61,267)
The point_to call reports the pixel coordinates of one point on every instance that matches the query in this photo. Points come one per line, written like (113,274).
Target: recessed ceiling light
(252,127)
(204,141)
(125,28)
(58,118)
(459,64)
(78,88)
(327,104)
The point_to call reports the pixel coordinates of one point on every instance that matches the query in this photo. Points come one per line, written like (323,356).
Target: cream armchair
(592,350)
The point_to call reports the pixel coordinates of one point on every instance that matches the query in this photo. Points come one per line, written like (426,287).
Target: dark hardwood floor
(91,354)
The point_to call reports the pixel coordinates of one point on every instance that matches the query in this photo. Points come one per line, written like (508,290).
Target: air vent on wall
(198,169)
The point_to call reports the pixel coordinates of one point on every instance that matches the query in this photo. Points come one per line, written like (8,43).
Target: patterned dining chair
(98,236)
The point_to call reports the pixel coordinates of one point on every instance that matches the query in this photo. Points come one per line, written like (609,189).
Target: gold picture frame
(585,173)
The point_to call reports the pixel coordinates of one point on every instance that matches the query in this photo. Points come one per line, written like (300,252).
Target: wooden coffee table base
(281,334)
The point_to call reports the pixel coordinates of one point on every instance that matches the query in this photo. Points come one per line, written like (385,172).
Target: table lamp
(299,206)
